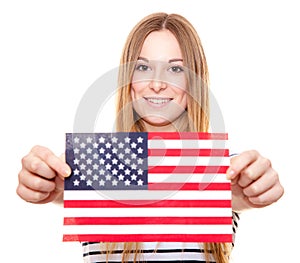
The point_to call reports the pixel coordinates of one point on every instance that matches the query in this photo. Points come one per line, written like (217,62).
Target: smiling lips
(157,101)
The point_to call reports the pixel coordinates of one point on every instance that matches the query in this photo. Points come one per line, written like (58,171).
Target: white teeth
(158,100)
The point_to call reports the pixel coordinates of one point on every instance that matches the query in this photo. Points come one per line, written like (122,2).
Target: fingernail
(230,174)
(67,172)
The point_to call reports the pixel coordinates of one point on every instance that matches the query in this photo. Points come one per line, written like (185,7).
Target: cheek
(136,90)
(184,101)
(181,95)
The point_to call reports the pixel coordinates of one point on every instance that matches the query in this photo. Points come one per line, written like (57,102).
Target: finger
(59,184)
(263,184)
(30,195)
(268,197)
(254,171)
(35,182)
(36,166)
(240,162)
(54,162)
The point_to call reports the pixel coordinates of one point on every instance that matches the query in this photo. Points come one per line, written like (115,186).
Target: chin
(157,122)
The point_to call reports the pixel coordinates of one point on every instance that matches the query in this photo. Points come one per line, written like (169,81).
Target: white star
(114,139)
(76,161)
(127,161)
(89,172)
(121,166)
(133,177)
(133,156)
(95,155)
(140,182)
(121,156)
(76,140)
(89,182)
(127,150)
(76,182)
(121,177)
(89,150)
(76,150)
(95,177)
(82,145)
(127,182)
(89,139)
(82,177)
(108,166)
(133,145)
(114,182)
(114,150)
(140,150)
(140,172)
(82,166)
(127,171)
(108,156)
(82,156)
(102,150)
(140,161)
(140,140)
(121,145)
(102,172)
(133,166)
(102,161)
(89,161)
(114,161)
(95,145)
(108,177)
(101,139)
(108,145)
(114,171)
(76,172)
(101,182)
(95,166)
(127,140)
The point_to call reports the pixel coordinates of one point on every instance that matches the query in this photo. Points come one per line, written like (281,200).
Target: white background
(52,51)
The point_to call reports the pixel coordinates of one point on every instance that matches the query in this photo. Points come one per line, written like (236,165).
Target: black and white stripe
(93,252)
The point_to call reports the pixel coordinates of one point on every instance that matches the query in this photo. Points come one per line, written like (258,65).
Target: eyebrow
(175,60)
(170,61)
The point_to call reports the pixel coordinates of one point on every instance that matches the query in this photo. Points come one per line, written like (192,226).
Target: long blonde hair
(196,117)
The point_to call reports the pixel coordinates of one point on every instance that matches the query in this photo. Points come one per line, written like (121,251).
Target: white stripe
(191,178)
(150,257)
(187,144)
(147,257)
(148,229)
(175,256)
(187,160)
(147,195)
(148,212)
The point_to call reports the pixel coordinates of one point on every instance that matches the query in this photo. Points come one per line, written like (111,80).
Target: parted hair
(196,116)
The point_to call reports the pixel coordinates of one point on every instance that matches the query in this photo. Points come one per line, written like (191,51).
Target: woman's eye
(142,67)
(176,69)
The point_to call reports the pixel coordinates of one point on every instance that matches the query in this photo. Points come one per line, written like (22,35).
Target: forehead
(161,45)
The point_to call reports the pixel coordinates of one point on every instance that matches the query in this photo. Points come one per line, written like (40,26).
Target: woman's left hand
(254,182)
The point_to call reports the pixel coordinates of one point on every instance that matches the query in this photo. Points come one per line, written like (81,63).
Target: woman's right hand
(41,179)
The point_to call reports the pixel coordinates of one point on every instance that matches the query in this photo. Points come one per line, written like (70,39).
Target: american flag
(138,186)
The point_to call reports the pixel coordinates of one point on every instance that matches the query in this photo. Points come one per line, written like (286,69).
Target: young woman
(165,68)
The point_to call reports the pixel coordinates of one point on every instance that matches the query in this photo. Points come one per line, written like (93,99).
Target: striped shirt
(94,252)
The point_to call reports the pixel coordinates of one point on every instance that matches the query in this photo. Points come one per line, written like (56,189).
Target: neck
(164,128)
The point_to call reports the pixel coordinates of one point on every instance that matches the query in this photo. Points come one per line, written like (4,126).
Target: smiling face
(158,88)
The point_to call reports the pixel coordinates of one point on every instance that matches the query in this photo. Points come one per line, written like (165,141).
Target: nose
(157,85)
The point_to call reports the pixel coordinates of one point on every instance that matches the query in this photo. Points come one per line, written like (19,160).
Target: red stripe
(187,169)
(147,220)
(188,152)
(187,136)
(145,203)
(151,238)
(189,186)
